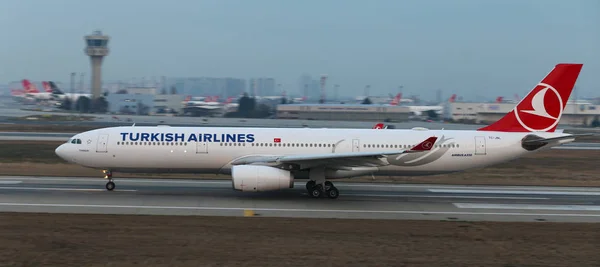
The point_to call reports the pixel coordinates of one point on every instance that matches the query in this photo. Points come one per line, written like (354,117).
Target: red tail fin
(46,87)
(29,87)
(396,100)
(542,108)
(452,98)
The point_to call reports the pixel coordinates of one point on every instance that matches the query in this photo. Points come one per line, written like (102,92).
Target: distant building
(262,87)
(167,104)
(309,87)
(576,113)
(133,104)
(208,86)
(344,112)
(144,104)
(141,90)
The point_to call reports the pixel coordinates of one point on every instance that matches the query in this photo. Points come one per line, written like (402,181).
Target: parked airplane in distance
(263,159)
(60,95)
(32,93)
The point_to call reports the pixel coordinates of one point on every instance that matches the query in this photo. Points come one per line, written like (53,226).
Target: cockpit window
(75,141)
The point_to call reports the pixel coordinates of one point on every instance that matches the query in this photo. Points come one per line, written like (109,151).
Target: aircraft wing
(350,159)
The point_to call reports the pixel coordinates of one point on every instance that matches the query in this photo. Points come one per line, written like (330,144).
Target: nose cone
(61,151)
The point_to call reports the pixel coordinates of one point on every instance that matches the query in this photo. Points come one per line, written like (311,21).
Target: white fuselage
(39,96)
(71,96)
(211,150)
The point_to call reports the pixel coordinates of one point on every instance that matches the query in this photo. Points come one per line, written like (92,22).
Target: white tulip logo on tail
(542,111)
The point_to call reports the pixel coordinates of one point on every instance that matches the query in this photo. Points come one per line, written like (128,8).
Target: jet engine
(250,178)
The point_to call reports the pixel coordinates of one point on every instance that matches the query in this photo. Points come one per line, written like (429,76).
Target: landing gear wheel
(316,191)
(110,186)
(310,185)
(333,193)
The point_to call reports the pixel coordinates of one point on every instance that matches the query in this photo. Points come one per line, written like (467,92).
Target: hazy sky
(472,48)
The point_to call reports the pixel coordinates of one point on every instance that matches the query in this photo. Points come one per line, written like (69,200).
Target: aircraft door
(480,145)
(102,145)
(355,145)
(201,148)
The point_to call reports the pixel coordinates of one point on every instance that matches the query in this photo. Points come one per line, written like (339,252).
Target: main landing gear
(110,185)
(318,190)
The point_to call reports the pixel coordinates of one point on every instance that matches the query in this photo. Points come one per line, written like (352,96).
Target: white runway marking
(60,189)
(10,182)
(123,180)
(431,196)
(527,207)
(438,188)
(576,148)
(525,192)
(294,210)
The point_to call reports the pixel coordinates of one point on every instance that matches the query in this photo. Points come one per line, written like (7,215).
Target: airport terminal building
(144,104)
(343,112)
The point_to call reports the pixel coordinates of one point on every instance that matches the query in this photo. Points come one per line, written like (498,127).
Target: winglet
(425,145)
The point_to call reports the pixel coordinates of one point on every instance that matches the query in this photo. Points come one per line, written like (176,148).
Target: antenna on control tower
(96,49)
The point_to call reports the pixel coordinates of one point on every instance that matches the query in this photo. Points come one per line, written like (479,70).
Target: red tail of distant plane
(47,87)
(396,100)
(29,87)
(452,98)
(499,99)
(541,109)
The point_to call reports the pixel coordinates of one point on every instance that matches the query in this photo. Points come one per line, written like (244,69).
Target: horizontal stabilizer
(532,142)
(546,140)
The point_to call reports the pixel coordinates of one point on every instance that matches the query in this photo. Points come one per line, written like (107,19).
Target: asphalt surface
(357,200)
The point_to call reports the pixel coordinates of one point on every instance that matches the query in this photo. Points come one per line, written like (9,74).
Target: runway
(357,200)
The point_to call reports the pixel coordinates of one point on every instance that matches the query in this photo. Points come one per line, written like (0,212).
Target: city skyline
(465,47)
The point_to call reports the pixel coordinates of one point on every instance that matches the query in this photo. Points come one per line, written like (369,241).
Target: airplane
(267,159)
(60,95)
(32,93)
(199,106)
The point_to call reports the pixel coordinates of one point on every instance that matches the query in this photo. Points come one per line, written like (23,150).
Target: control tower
(96,49)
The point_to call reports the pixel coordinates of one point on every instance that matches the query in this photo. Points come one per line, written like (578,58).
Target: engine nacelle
(249,178)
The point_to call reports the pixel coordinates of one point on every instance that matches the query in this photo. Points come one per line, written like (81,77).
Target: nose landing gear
(110,185)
